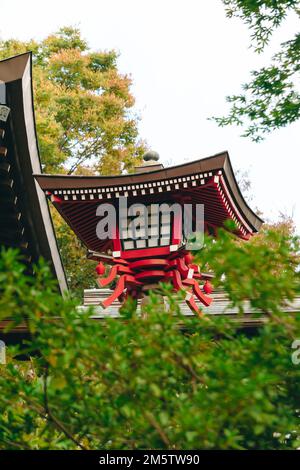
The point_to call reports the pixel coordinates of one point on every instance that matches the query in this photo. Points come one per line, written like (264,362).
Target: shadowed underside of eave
(25,221)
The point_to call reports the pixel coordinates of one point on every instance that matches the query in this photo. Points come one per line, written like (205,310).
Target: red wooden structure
(139,263)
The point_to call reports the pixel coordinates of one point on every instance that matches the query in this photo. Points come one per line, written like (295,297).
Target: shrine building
(158,251)
(132,260)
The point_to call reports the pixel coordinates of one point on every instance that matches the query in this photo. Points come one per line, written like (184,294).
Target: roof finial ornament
(150,162)
(151,157)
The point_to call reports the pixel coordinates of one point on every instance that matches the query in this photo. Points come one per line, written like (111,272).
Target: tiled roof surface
(219,306)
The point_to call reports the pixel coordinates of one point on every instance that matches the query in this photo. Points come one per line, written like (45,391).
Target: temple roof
(25,221)
(209,181)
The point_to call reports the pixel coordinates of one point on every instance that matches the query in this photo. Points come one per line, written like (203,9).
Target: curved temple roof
(210,181)
(25,220)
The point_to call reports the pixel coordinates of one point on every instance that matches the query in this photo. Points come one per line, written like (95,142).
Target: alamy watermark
(2,352)
(296,354)
(165,221)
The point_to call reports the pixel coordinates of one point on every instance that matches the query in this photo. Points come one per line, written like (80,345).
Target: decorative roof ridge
(160,170)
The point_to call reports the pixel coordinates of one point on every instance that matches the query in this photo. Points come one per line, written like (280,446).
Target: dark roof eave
(220,161)
(48,182)
(16,74)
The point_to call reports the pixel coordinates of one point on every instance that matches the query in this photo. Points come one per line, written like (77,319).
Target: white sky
(184,58)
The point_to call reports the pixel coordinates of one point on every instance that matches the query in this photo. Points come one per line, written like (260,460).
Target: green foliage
(261,16)
(271,100)
(263,270)
(80,271)
(161,380)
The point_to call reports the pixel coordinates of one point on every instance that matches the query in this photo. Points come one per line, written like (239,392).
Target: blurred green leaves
(161,380)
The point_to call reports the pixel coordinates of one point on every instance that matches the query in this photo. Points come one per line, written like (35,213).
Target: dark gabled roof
(210,181)
(25,221)
(219,161)
(215,162)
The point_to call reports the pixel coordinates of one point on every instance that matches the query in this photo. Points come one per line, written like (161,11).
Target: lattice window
(151,231)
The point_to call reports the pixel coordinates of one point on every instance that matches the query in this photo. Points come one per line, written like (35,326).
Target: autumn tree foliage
(83,105)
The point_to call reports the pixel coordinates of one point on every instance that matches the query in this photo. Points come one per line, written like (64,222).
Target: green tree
(161,380)
(79,270)
(271,100)
(83,105)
